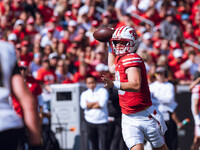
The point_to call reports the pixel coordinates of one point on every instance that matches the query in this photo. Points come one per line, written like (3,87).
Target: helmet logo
(132,32)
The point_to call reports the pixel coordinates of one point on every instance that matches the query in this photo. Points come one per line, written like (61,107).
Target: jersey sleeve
(132,61)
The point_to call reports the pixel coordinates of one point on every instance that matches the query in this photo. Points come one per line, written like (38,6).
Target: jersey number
(117,78)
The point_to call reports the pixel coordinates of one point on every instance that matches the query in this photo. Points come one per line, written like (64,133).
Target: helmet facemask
(122,46)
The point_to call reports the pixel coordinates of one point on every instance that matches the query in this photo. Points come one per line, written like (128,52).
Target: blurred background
(54,44)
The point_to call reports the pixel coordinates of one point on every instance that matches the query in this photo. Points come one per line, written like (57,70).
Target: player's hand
(108,82)
(180,125)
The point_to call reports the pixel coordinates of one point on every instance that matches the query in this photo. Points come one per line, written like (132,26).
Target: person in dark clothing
(114,111)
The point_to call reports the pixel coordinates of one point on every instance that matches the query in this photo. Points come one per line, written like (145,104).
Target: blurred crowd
(55,37)
(54,40)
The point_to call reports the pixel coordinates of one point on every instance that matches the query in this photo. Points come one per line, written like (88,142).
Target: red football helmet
(124,40)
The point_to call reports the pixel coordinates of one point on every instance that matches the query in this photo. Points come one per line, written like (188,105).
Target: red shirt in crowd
(16,11)
(46,12)
(79,78)
(27,57)
(174,65)
(20,34)
(46,76)
(181,75)
(189,36)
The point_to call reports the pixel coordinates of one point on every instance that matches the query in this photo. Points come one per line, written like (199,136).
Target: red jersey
(20,34)
(174,65)
(35,89)
(27,57)
(46,12)
(132,102)
(46,76)
(79,78)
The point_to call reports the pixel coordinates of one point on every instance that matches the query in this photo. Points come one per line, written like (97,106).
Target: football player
(140,119)
(11,125)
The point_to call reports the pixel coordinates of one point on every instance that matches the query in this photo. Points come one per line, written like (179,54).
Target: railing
(105,6)
(151,23)
(195,45)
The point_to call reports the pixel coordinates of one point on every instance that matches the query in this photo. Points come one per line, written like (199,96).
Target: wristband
(196,120)
(117,85)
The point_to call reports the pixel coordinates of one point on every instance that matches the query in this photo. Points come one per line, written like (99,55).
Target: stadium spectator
(192,63)
(30,29)
(54,44)
(39,21)
(45,11)
(5,8)
(75,8)
(62,73)
(45,74)
(35,64)
(133,8)
(12,38)
(121,7)
(47,39)
(30,7)
(72,28)
(94,103)
(183,74)
(5,27)
(169,28)
(25,54)
(146,43)
(156,52)
(53,60)
(18,51)
(81,74)
(18,29)
(177,60)
(163,97)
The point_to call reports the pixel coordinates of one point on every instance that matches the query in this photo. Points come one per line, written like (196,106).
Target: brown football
(103,34)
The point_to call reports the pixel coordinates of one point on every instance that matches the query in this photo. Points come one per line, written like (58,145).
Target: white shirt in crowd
(123,5)
(95,116)
(163,97)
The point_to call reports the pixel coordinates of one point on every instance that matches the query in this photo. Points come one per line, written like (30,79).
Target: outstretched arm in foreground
(29,107)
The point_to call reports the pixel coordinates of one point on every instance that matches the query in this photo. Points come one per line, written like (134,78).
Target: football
(103,34)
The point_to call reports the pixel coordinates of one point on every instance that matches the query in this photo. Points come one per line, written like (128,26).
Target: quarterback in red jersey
(140,120)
